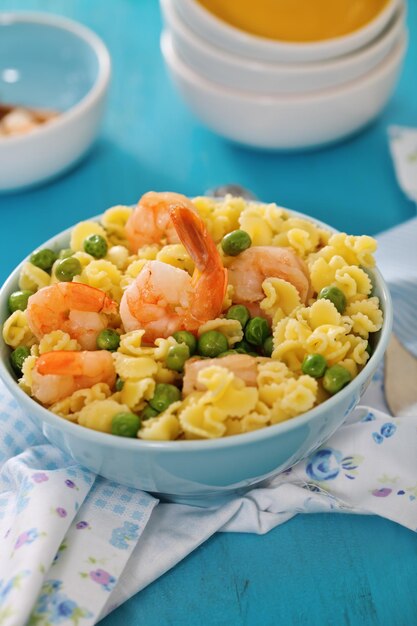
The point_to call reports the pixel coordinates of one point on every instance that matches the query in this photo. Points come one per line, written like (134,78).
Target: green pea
(65,253)
(226,353)
(183,336)
(177,356)
(242,347)
(17,358)
(163,396)
(148,412)
(125,424)
(119,384)
(108,339)
(240,313)
(18,300)
(236,242)
(335,378)
(66,269)
(95,245)
(212,343)
(335,295)
(44,259)
(268,346)
(314,365)
(257,330)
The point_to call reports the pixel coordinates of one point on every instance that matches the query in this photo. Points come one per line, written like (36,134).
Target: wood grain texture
(326,570)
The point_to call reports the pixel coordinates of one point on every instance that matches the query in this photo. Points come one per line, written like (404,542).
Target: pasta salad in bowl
(193,347)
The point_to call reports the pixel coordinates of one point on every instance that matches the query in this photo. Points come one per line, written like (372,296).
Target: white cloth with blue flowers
(73,546)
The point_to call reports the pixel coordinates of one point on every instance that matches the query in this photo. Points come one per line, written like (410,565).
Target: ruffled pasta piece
(103,275)
(26,381)
(202,421)
(272,372)
(262,222)
(281,298)
(220,215)
(131,272)
(351,366)
(33,278)
(176,255)
(256,419)
(148,252)
(356,250)
(134,367)
(98,415)
(83,230)
(328,340)
(16,331)
(366,316)
(165,375)
(298,395)
(292,330)
(70,407)
(164,427)
(232,329)
(131,344)
(134,392)
(228,298)
(350,279)
(118,255)
(57,340)
(226,396)
(357,351)
(301,235)
(322,312)
(163,346)
(114,221)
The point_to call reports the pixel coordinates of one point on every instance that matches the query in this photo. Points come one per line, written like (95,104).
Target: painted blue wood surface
(320,569)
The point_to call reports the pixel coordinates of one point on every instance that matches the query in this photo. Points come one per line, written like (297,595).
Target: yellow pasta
(16,331)
(232,329)
(215,402)
(33,278)
(83,230)
(57,340)
(99,414)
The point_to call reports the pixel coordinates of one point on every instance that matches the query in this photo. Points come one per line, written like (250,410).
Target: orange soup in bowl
(296,20)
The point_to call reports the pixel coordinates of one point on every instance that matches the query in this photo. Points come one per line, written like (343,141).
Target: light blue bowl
(198,472)
(50,62)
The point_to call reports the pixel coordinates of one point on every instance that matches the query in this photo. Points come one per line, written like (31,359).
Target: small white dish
(50,62)
(285,122)
(236,72)
(225,36)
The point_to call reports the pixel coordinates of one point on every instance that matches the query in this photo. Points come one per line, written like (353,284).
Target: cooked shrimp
(243,366)
(58,374)
(150,221)
(248,271)
(163,298)
(75,308)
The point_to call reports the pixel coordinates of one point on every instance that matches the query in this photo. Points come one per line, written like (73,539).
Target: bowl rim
(181,447)
(172,58)
(97,90)
(242,37)
(218,55)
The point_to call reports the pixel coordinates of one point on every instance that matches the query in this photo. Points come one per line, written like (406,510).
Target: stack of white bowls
(278,95)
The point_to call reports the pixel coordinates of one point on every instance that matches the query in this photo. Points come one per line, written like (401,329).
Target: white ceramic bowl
(225,36)
(53,63)
(236,72)
(286,122)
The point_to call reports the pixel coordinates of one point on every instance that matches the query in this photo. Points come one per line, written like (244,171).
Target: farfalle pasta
(173,324)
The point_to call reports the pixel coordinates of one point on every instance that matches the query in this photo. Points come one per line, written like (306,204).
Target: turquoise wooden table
(319,569)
